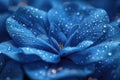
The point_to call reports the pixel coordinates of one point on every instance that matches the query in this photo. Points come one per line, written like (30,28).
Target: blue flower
(71,41)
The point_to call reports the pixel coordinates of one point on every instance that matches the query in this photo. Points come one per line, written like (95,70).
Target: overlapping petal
(44,55)
(29,31)
(42,70)
(105,52)
(91,22)
(33,19)
(72,50)
(24,54)
(10,50)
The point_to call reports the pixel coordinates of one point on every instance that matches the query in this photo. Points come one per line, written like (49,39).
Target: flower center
(61,46)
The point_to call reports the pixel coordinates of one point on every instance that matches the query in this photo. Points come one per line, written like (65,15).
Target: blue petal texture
(41,70)
(58,40)
(22,54)
(84,17)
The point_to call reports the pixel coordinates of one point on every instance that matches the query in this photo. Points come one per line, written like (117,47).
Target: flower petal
(44,55)
(36,70)
(20,34)
(62,15)
(57,33)
(114,31)
(24,54)
(42,70)
(72,50)
(92,27)
(67,68)
(90,20)
(69,50)
(33,19)
(54,43)
(24,37)
(10,50)
(105,52)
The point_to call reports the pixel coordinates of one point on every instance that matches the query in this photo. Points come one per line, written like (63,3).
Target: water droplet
(36,16)
(7,78)
(104,31)
(30,16)
(0,52)
(109,53)
(54,71)
(118,20)
(66,25)
(41,17)
(27,48)
(78,13)
(50,56)
(106,46)
(60,68)
(1,63)
(46,67)
(36,9)
(36,74)
(66,9)
(56,12)
(9,48)
(104,26)
(97,15)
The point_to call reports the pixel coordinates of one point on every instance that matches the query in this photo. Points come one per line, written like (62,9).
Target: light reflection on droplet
(8,78)
(110,54)
(54,71)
